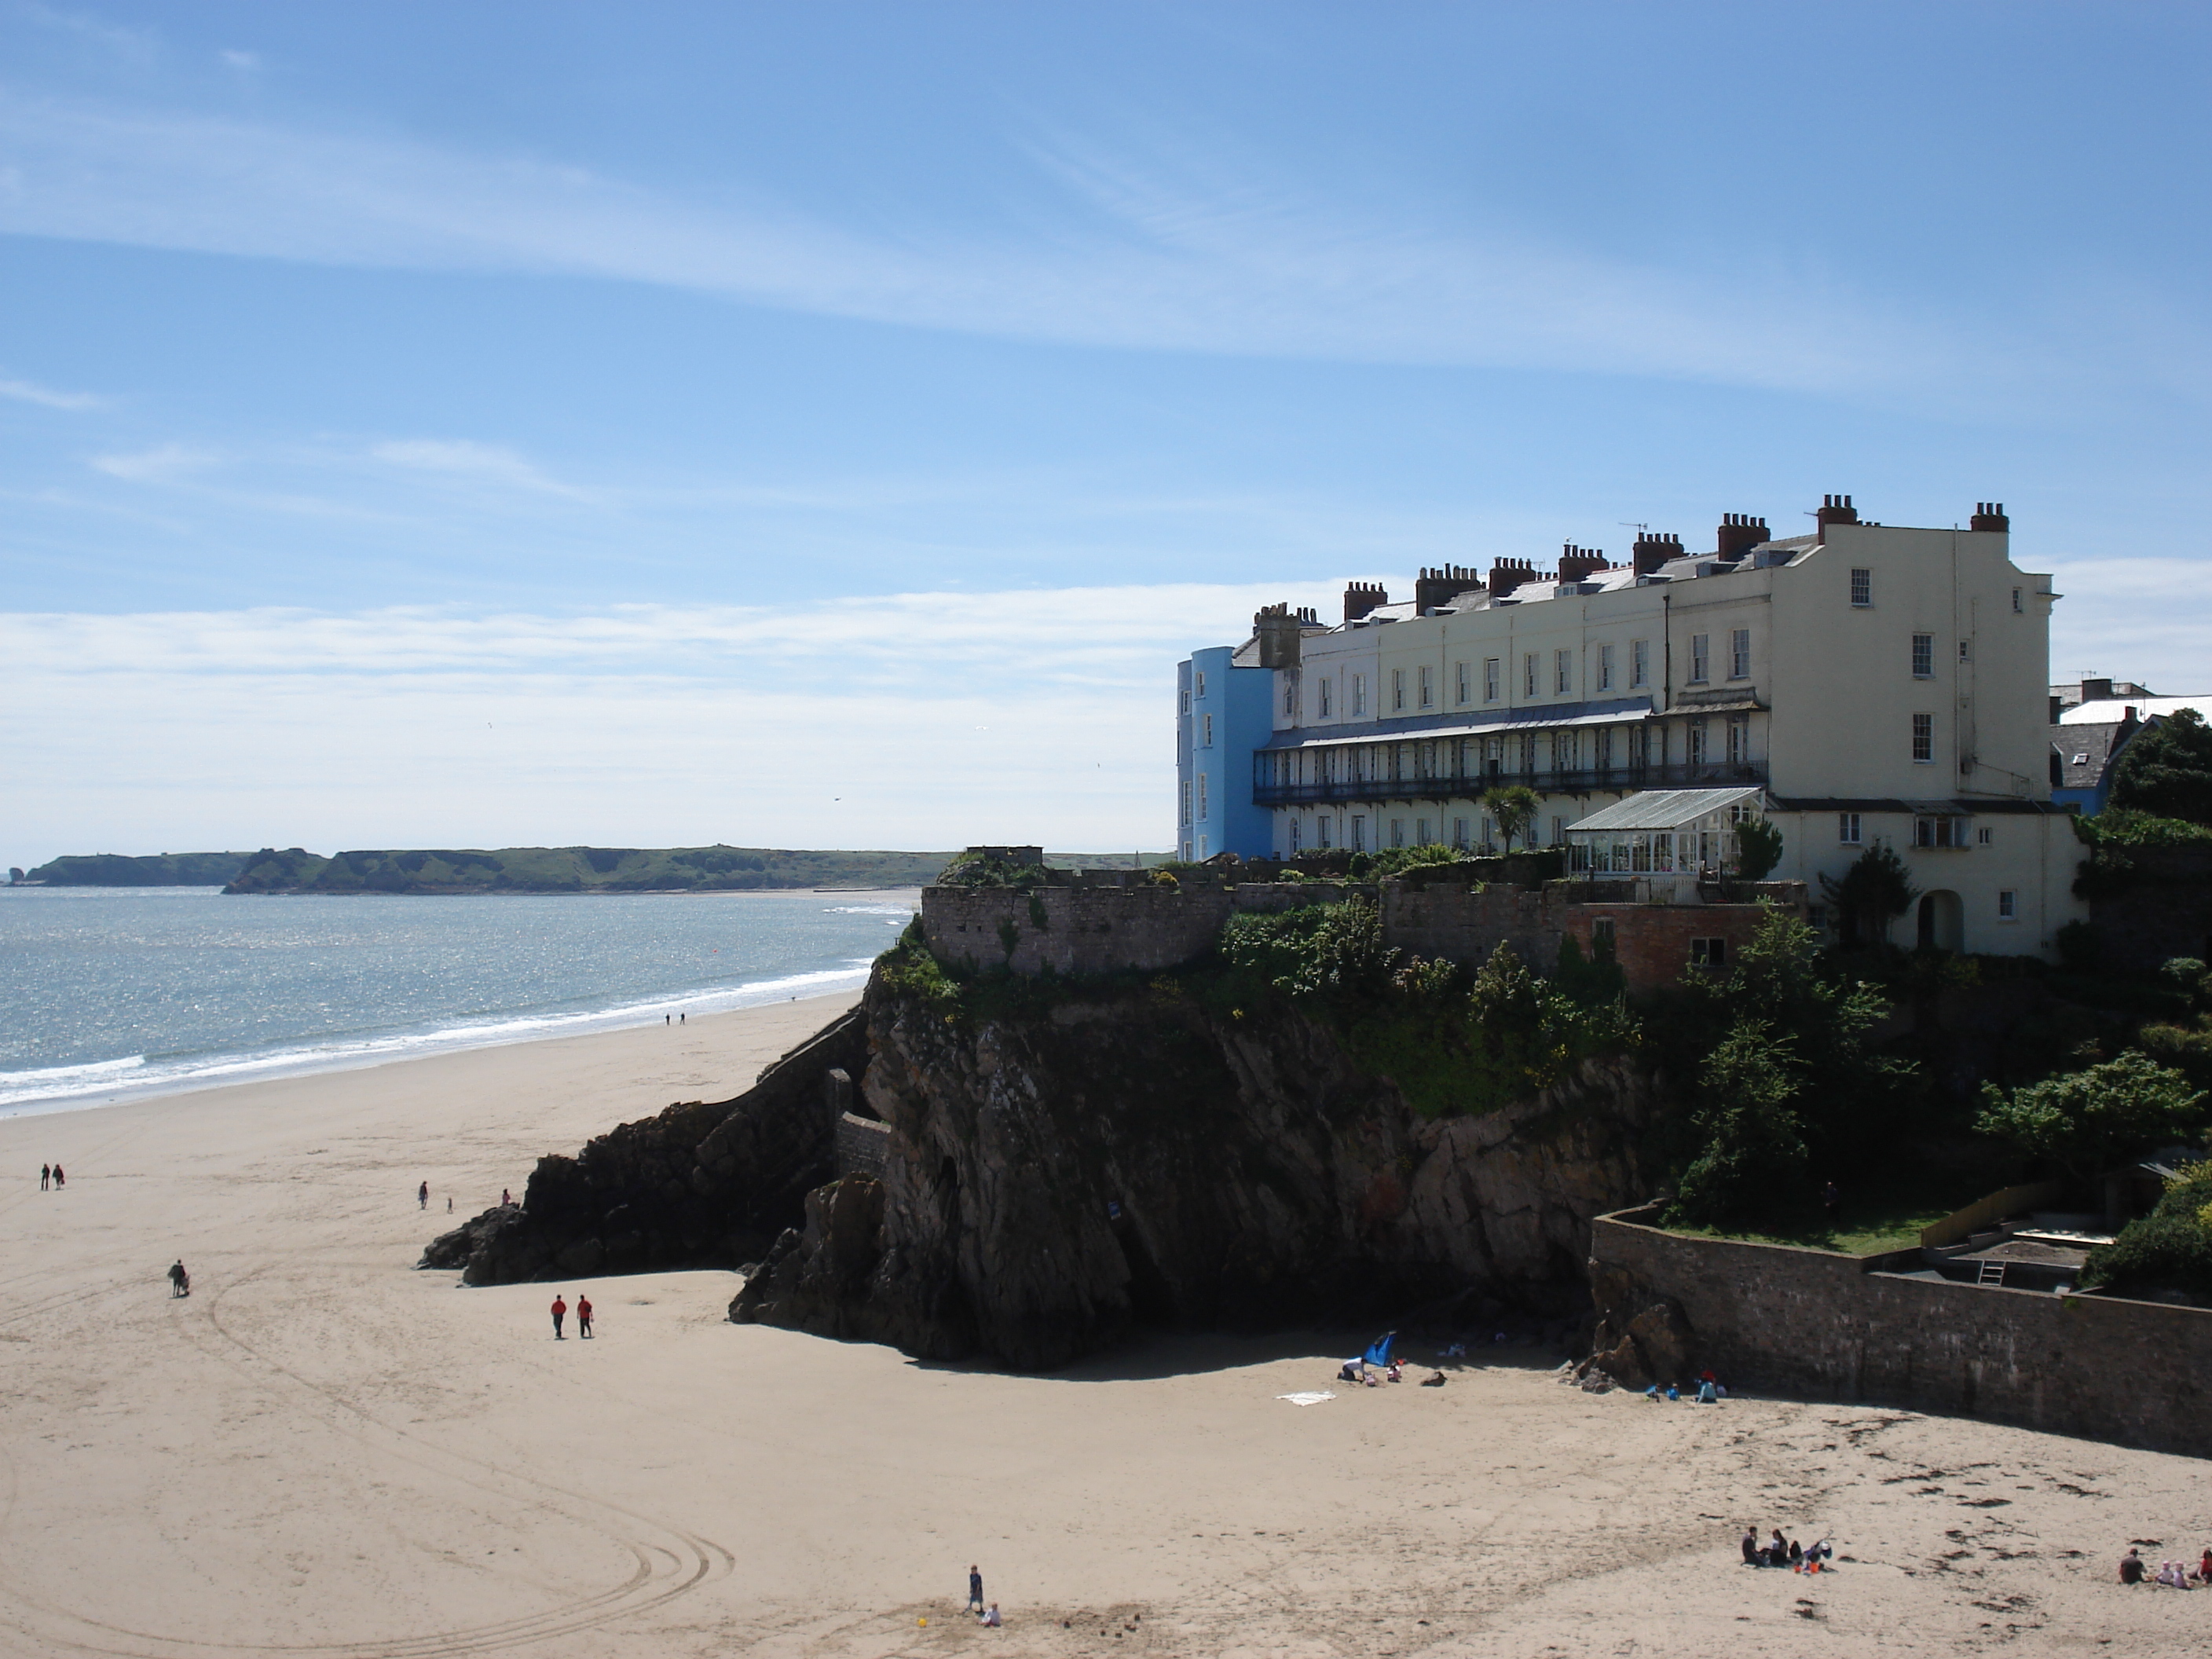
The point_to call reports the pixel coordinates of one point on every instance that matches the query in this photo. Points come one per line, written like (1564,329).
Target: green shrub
(2170,1247)
(1312,950)
(2121,826)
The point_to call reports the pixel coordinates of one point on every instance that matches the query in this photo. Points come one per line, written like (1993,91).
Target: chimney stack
(1577,562)
(1836,510)
(1443,585)
(1506,575)
(1738,533)
(1360,598)
(1989,516)
(1652,551)
(1277,631)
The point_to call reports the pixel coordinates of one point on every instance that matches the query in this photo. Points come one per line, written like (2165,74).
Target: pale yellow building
(1877,682)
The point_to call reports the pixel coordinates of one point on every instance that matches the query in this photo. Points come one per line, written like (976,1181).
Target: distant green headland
(526,870)
(154,870)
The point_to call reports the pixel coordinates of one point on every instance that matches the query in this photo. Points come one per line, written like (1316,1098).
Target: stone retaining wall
(1102,929)
(863,1146)
(1813,1321)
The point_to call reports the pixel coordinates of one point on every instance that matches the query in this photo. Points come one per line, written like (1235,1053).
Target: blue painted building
(1221,717)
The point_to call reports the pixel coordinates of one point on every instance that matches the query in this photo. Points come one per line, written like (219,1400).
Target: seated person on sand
(1708,1391)
(1777,1550)
(991,1617)
(2131,1568)
(2204,1567)
(1751,1548)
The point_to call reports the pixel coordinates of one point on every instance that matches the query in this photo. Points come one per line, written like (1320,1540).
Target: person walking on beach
(975,1590)
(60,1180)
(583,1315)
(45,1177)
(180,1282)
(560,1313)
(422,1195)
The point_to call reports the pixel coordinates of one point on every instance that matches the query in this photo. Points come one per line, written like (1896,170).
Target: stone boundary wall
(1110,929)
(1812,1321)
(1099,930)
(863,1146)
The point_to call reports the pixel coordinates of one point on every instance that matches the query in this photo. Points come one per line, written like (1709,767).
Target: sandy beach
(323,1451)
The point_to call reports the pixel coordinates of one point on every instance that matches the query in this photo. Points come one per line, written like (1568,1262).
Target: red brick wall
(1651,942)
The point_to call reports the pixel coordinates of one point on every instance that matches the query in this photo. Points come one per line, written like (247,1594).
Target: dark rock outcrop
(697,1186)
(1052,1180)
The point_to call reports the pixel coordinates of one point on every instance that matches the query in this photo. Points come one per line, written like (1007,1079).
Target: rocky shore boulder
(698,1185)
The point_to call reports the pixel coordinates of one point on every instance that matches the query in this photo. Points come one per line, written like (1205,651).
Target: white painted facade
(1879,684)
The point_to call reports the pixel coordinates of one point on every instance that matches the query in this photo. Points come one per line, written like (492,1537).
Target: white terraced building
(1864,684)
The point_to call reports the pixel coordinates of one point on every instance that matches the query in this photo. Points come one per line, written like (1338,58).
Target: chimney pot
(1738,533)
(1989,516)
(1836,510)
(1360,597)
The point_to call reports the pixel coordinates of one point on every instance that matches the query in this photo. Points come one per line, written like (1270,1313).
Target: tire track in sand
(670,1562)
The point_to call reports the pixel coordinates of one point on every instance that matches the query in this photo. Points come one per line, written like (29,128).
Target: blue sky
(826,425)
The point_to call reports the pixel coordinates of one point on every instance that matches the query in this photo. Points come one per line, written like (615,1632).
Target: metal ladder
(1992,1273)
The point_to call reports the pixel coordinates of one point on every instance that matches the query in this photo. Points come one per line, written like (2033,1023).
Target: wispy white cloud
(493,464)
(1166,254)
(244,61)
(30,392)
(2137,618)
(916,720)
(163,463)
(136,44)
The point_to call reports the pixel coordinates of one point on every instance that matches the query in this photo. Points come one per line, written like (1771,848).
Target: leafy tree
(2088,1121)
(1754,1155)
(1849,1101)
(1871,893)
(2167,770)
(1758,849)
(1514,806)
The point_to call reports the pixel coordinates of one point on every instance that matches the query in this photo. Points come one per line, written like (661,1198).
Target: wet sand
(323,1451)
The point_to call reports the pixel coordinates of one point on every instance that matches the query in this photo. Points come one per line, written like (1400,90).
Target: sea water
(113,992)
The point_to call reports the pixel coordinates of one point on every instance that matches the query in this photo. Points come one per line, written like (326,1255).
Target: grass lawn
(1870,1225)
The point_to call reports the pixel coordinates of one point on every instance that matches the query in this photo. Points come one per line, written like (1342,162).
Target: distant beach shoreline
(368,1033)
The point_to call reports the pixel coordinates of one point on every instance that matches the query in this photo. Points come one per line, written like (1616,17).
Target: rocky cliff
(700,1185)
(1052,1180)
(1108,1159)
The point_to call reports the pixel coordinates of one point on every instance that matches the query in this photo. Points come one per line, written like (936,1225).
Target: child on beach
(990,1621)
(974,1589)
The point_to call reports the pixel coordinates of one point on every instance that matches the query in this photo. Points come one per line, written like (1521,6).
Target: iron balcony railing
(1680,774)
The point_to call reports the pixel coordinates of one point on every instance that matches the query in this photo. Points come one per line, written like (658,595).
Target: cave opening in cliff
(1151,1299)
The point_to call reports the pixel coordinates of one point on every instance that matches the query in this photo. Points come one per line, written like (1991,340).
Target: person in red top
(583,1315)
(560,1313)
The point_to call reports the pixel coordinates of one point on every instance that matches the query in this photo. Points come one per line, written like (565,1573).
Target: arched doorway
(1943,922)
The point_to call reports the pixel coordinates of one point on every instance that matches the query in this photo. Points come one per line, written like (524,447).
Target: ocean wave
(59,1088)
